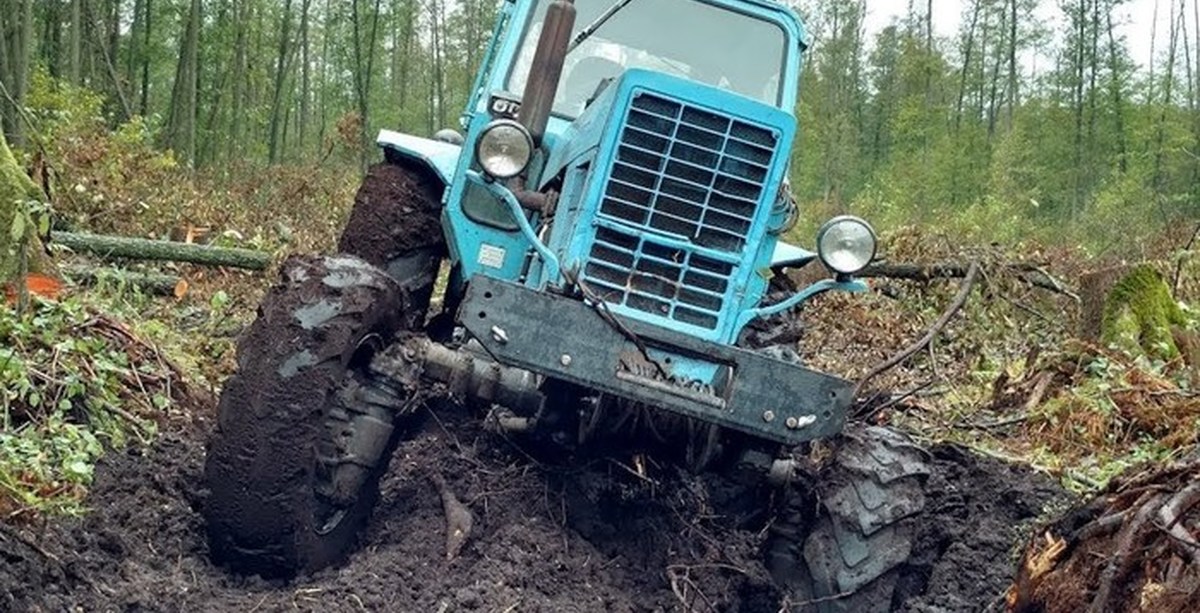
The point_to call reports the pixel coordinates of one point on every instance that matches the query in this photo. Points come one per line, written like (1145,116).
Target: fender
(791,256)
(440,157)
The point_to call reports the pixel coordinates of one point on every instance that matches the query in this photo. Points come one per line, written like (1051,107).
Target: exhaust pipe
(546,70)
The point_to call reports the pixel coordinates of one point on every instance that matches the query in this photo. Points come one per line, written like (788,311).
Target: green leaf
(79,468)
(17,231)
(219,300)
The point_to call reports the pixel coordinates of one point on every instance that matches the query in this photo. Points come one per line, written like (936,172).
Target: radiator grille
(684,178)
(641,274)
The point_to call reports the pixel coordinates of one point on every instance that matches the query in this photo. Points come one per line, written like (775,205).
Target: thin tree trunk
(1013,78)
(438,66)
(104,49)
(19,58)
(1077,103)
(406,59)
(362,73)
(75,45)
(281,70)
(181,121)
(1160,134)
(1094,70)
(144,104)
(323,86)
(994,87)
(135,45)
(216,93)
(1153,44)
(1118,104)
(240,75)
(7,114)
(305,78)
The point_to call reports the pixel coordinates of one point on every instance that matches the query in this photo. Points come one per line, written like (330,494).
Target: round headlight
(846,244)
(504,149)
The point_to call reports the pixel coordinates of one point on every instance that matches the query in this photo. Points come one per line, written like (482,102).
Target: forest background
(902,123)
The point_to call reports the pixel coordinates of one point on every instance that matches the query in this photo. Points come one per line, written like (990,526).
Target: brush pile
(1135,547)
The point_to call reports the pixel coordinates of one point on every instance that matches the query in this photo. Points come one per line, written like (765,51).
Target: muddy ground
(547,537)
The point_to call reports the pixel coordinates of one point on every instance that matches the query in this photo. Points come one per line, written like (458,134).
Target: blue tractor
(599,243)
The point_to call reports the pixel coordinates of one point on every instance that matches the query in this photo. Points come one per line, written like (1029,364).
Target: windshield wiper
(597,24)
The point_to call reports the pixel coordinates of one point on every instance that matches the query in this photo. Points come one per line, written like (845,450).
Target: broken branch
(1027,273)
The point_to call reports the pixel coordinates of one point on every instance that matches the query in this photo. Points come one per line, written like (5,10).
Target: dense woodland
(903,124)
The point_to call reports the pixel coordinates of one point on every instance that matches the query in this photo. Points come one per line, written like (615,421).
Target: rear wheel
(838,543)
(282,499)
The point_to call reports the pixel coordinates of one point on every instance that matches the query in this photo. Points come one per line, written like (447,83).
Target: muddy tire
(276,416)
(395,225)
(840,548)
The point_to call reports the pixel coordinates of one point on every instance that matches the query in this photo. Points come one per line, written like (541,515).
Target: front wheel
(282,416)
(837,546)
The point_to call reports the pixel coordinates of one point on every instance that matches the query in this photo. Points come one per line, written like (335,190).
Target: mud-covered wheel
(837,544)
(395,225)
(280,417)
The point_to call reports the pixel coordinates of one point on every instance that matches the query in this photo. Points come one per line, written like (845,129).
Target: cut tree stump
(146,249)
(1093,289)
(16,188)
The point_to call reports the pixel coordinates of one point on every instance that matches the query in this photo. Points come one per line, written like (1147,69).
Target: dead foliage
(1088,399)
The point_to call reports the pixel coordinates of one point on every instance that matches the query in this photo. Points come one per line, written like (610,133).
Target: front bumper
(563,338)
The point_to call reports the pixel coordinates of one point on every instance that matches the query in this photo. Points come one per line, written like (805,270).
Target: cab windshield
(686,38)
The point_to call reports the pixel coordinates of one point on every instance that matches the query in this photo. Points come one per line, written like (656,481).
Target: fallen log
(155,283)
(1027,273)
(146,249)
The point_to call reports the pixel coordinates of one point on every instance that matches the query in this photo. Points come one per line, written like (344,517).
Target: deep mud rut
(546,538)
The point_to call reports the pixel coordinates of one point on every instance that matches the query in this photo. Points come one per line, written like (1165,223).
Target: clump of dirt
(550,537)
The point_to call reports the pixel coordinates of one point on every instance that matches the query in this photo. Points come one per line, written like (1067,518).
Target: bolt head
(499,335)
(793,423)
(768,416)
(565,360)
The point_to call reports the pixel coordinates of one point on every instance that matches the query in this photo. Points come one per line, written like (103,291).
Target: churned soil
(590,535)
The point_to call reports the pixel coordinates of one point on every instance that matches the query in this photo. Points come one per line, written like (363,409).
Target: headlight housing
(846,244)
(504,149)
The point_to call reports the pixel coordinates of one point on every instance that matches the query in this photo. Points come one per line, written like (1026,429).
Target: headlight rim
(833,222)
(493,125)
